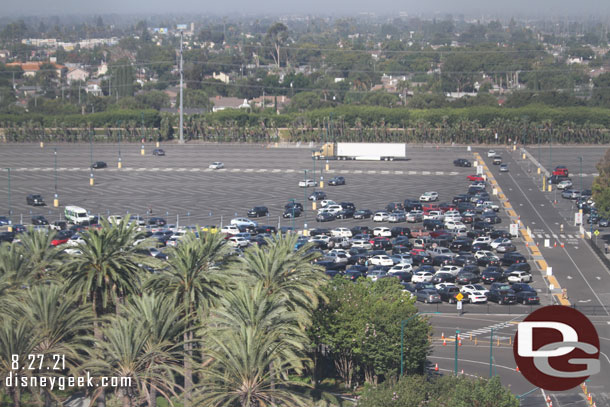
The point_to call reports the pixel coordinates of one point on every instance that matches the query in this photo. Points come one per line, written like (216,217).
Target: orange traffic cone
(444,342)
(459,342)
(436,367)
(561,244)
(462,371)
(555,244)
(548,399)
(442,335)
(517,369)
(527,244)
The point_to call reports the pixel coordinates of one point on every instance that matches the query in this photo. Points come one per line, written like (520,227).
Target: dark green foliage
(413,391)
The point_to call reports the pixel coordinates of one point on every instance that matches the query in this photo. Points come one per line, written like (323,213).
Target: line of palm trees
(205,328)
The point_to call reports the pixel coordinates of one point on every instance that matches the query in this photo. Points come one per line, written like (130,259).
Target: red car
(60,238)
(475,177)
(561,171)
(430,207)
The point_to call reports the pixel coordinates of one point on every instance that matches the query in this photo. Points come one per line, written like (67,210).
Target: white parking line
(562,236)
(276,170)
(425,172)
(440,172)
(412,172)
(398,172)
(371,172)
(554,236)
(453,173)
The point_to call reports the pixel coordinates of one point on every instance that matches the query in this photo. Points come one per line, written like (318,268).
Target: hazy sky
(594,8)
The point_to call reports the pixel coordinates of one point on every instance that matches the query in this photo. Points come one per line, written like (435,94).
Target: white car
(402,258)
(374,275)
(75,240)
(482,239)
(490,205)
(422,277)
(115,219)
(380,260)
(230,229)
(362,243)
(334,209)
(243,222)
(381,217)
(382,231)
(341,232)
(443,285)
(449,268)
(519,277)
(326,202)
(339,257)
(172,242)
(320,238)
(434,215)
(216,165)
(400,267)
(485,253)
(415,216)
(469,288)
(307,183)
(499,241)
(476,297)
(454,225)
(238,241)
(565,184)
(491,153)
(335,252)
(429,196)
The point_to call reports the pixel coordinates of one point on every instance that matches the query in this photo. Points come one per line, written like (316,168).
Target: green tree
(253,344)
(193,280)
(276,37)
(601,186)
(361,327)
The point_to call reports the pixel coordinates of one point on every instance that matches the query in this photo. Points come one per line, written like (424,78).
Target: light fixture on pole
(56,196)
(120,158)
(91,181)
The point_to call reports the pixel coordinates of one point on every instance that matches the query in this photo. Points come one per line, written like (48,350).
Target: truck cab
(561,170)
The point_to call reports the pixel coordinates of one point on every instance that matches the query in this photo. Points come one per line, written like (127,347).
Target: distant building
(222,103)
(94,89)
(102,69)
(31,68)
(76,75)
(221,76)
(269,101)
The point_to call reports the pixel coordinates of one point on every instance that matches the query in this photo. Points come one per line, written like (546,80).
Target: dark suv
(462,162)
(258,211)
(502,296)
(39,220)
(336,181)
(35,200)
(512,258)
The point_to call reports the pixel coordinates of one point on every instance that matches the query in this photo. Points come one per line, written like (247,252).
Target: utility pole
(457,339)
(181,90)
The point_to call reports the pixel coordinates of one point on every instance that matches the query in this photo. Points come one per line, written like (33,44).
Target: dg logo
(556,348)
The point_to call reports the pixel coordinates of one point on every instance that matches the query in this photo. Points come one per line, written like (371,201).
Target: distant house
(4,54)
(93,89)
(102,69)
(222,103)
(221,76)
(31,68)
(269,101)
(77,75)
(172,92)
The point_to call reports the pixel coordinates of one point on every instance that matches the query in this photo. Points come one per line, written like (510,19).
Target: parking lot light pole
(293,201)
(491,352)
(10,212)
(91,182)
(120,159)
(580,159)
(305,200)
(402,337)
(55,197)
(457,336)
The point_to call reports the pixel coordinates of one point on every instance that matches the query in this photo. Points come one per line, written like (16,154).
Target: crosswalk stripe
(554,236)
(547,236)
(425,173)
(562,236)
(539,236)
(570,236)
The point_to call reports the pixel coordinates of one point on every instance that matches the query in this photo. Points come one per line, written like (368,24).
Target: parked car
(363,214)
(381,216)
(216,165)
(159,152)
(336,181)
(504,168)
(502,296)
(449,294)
(519,277)
(497,160)
(39,220)
(422,276)
(462,162)
(35,200)
(258,211)
(428,296)
(429,196)
(317,196)
(98,165)
(527,297)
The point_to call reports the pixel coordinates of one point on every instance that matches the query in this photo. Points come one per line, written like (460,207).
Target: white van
(76,215)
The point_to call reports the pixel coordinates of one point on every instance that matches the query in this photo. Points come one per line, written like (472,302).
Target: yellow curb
(553,280)
(512,212)
(506,204)
(542,264)
(562,300)
(501,196)
(535,251)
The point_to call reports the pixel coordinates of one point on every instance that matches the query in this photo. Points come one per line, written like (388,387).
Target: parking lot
(181,187)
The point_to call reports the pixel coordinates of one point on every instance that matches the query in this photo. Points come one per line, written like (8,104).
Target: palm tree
(165,324)
(17,341)
(283,271)
(194,281)
(247,334)
(108,267)
(43,257)
(61,327)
